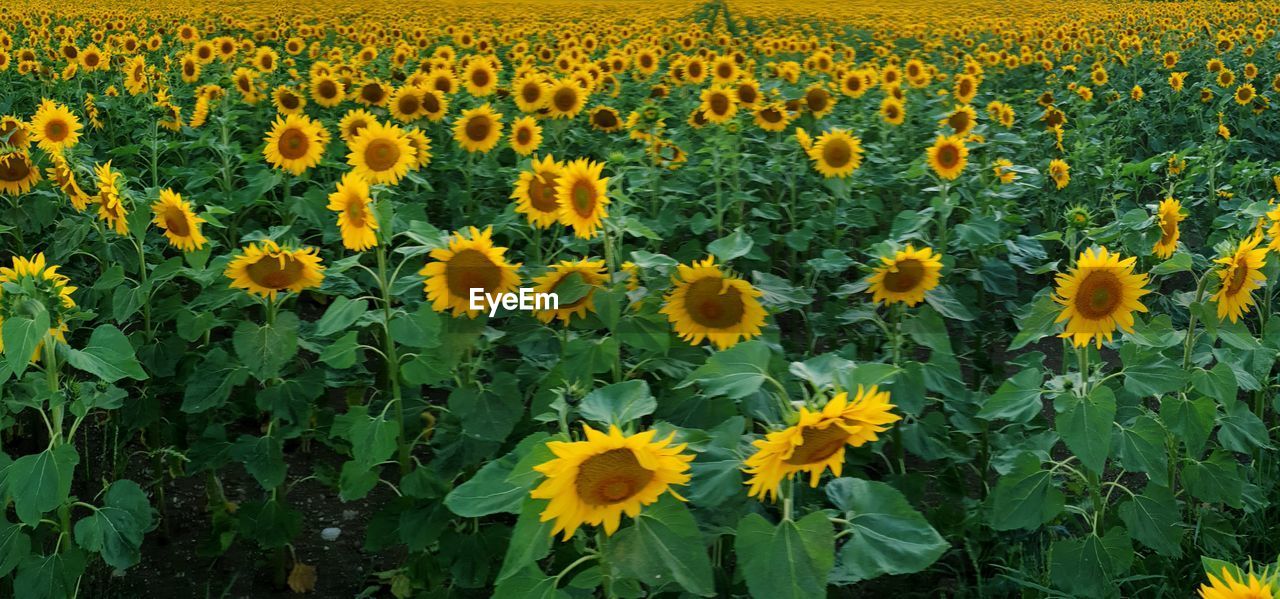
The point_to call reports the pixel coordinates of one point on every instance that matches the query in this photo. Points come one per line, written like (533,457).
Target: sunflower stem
(392,358)
(1191,321)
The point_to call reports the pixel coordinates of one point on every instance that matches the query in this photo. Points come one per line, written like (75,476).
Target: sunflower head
(587,273)
(906,276)
(708,303)
(1079,218)
(1240,272)
(535,192)
(469,263)
(948,156)
(836,153)
(478,129)
(381,153)
(1099,294)
(29,286)
(295,143)
(266,269)
(54,128)
(181,226)
(1240,585)
(581,192)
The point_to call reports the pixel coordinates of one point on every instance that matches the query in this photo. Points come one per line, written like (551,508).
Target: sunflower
(961,120)
(906,276)
(443,81)
(1169,214)
(295,143)
(596,480)
(54,128)
(371,93)
(1245,94)
(327,91)
(588,272)
(966,87)
(1100,293)
(434,104)
(111,207)
(948,156)
(180,225)
(405,104)
(1246,587)
(818,101)
(266,269)
(565,99)
(836,153)
(892,111)
(1003,170)
(526,135)
(480,78)
(771,117)
(1241,273)
(381,153)
(535,192)
(1060,172)
(718,104)
(421,145)
(65,178)
(581,193)
(51,289)
(707,303)
(14,133)
(469,263)
(531,92)
(17,173)
(817,440)
(288,100)
(356,219)
(605,119)
(353,122)
(478,129)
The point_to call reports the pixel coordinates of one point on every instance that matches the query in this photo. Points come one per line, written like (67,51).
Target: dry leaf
(302,579)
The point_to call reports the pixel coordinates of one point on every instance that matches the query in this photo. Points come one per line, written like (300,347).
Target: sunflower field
(630,298)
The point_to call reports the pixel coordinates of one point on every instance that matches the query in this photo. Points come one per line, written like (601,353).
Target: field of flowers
(855,299)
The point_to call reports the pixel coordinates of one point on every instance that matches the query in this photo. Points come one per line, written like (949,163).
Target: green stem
(1191,322)
(393,358)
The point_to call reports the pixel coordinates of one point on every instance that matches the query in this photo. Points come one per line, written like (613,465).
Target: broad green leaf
(420,329)
(946,303)
(265,349)
(1179,262)
(1237,335)
(1148,372)
(492,413)
(790,560)
(735,245)
(1085,425)
(342,313)
(21,335)
(1215,480)
(735,372)
(501,485)
(1218,383)
(1141,448)
(211,385)
(1241,429)
(531,540)
(1026,497)
(1017,399)
(115,530)
(663,545)
(618,404)
(272,524)
(109,355)
(341,353)
(889,535)
(1188,420)
(1090,565)
(263,458)
(1036,322)
(1153,518)
(529,583)
(820,371)
(54,576)
(15,545)
(39,483)
(1158,332)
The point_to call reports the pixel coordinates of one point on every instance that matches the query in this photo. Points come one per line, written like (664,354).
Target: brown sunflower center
(906,276)
(478,128)
(523,135)
(817,445)
(355,211)
(771,115)
(288,100)
(583,196)
(1239,274)
(1168,228)
(372,93)
(14,167)
(328,89)
(531,92)
(565,99)
(176,222)
(948,156)
(480,78)
(712,305)
(719,103)
(959,121)
(1099,295)
(605,119)
(816,99)
(56,130)
(542,193)
(472,269)
(382,155)
(747,94)
(275,272)
(611,477)
(294,144)
(837,153)
(409,104)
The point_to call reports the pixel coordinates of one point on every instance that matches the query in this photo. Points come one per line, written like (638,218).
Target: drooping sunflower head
(54,128)
(568,273)
(468,263)
(836,153)
(1099,294)
(17,173)
(948,156)
(1169,214)
(906,276)
(817,440)
(381,153)
(582,195)
(111,208)
(31,284)
(181,226)
(708,303)
(356,219)
(535,192)
(526,135)
(266,269)
(478,129)
(1240,273)
(14,133)
(596,480)
(295,143)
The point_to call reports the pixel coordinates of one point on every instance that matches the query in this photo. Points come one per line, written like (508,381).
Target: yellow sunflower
(1099,294)
(327,91)
(180,225)
(1003,170)
(526,135)
(962,119)
(596,480)
(1241,273)
(948,156)
(906,276)
(468,263)
(54,128)
(65,178)
(707,303)
(405,104)
(266,269)
(771,117)
(1060,172)
(1170,214)
(111,207)
(480,78)
(52,290)
(817,440)
(356,219)
(589,272)
(287,100)
(605,119)
(14,133)
(718,104)
(565,99)
(295,143)
(421,147)
(354,121)
(381,153)
(1250,586)
(531,92)
(478,129)
(581,193)
(836,153)
(434,104)
(892,111)
(535,192)
(17,173)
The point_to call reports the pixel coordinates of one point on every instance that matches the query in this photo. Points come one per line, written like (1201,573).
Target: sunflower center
(478,128)
(531,93)
(275,272)
(719,103)
(771,115)
(294,144)
(175,222)
(471,269)
(523,135)
(948,156)
(1168,228)
(565,99)
(959,121)
(371,93)
(747,94)
(584,198)
(712,305)
(905,276)
(611,477)
(606,120)
(1099,295)
(836,153)
(355,211)
(382,155)
(409,104)
(55,130)
(542,193)
(289,101)
(480,78)
(816,99)
(327,89)
(1239,274)
(817,445)
(14,167)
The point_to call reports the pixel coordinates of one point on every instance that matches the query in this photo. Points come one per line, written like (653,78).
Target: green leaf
(529,583)
(109,355)
(735,245)
(1241,429)
(41,482)
(531,540)
(1180,262)
(342,352)
(571,288)
(1188,420)
(341,314)
(421,329)
(1158,332)
(373,439)
(492,489)
(116,529)
(1219,383)
(618,404)
(1237,335)
(1148,372)
(272,524)
(53,576)
(22,335)
(889,535)
(1090,565)
(490,414)
(15,545)
(211,386)
(1085,425)
(735,372)
(1017,399)
(790,560)
(1154,520)
(1036,322)
(263,458)
(946,303)
(1141,448)
(1215,480)
(663,545)
(1026,497)
(265,349)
